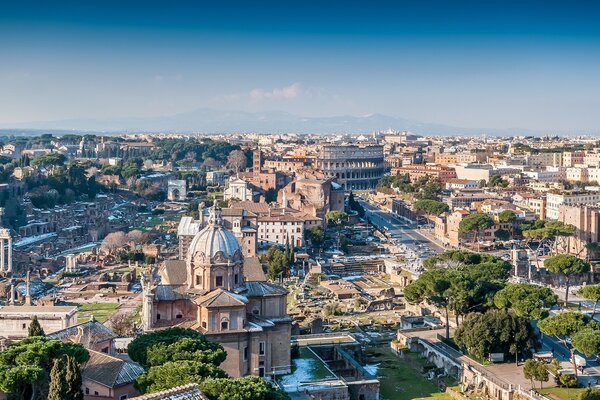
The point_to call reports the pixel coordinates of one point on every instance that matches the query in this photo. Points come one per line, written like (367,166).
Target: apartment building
(576,174)
(458,158)
(572,158)
(542,160)
(441,172)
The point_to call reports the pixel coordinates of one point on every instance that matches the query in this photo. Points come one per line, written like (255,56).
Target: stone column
(9,266)
(1,255)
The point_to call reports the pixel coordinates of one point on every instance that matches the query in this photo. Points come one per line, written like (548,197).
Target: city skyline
(496,65)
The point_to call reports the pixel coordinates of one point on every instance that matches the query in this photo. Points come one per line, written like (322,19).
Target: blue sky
(496,64)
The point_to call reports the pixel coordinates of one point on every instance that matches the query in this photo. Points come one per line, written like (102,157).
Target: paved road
(397,228)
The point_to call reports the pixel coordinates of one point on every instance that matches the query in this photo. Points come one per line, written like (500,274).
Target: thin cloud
(292,91)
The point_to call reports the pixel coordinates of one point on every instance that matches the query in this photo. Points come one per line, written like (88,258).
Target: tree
(591,292)
(526,300)
(475,223)
(137,237)
(336,216)
(278,262)
(176,373)
(535,370)
(566,265)
(73,380)
(590,394)
(121,324)
(25,366)
(495,331)
(237,160)
(433,287)
(564,326)
(114,241)
(497,180)
(587,341)
(35,329)
(430,207)
(246,388)
(58,381)
(502,234)
(52,159)
(158,347)
(507,216)
(316,236)
(355,205)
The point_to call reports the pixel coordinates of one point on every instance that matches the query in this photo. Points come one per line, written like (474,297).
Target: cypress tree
(58,384)
(73,380)
(35,329)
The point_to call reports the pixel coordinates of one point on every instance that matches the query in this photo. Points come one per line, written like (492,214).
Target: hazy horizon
(499,64)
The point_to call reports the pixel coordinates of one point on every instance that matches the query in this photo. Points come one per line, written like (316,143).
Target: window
(256,311)
(157,316)
(224,325)
(261,348)
(219,280)
(198,280)
(87,390)
(236,278)
(95,393)
(204,324)
(24,326)
(246,353)
(125,397)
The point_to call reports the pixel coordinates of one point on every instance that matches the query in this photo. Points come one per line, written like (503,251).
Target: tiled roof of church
(173,272)
(80,333)
(253,271)
(221,298)
(170,292)
(259,289)
(110,371)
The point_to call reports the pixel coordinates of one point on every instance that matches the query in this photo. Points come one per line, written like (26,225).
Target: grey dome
(214,238)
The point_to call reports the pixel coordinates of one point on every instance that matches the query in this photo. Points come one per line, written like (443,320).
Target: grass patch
(436,396)
(399,377)
(559,393)
(100,311)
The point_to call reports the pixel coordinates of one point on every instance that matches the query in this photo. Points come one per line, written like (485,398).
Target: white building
(551,174)
(455,183)
(280,229)
(239,189)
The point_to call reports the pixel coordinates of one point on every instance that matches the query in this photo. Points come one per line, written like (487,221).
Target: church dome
(214,239)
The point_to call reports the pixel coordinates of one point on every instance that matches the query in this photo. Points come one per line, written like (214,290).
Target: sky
(472,64)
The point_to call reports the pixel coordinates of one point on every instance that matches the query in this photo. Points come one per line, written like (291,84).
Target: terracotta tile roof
(253,270)
(173,272)
(80,333)
(185,392)
(110,371)
(221,298)
(256,208)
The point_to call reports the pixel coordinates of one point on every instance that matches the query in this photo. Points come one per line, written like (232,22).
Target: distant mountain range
(206,120)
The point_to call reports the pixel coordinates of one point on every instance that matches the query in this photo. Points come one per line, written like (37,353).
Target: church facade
(225,297)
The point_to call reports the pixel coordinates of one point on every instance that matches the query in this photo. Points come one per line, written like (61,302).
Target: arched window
(224,324)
